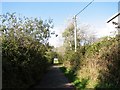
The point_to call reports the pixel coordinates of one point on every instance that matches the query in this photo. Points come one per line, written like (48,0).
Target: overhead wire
(84,8)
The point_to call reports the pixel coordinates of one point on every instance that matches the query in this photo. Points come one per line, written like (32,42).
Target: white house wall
(112,27)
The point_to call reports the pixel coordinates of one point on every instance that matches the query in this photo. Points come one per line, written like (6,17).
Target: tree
(68,35)
(16,26)
(84,36)
(26,54)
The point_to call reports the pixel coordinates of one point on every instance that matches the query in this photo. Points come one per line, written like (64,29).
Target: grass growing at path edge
(79,84)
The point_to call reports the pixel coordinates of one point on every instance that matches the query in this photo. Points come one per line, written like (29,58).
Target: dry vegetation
(98,63)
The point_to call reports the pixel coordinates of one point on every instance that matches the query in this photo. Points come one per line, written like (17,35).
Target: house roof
(113,17)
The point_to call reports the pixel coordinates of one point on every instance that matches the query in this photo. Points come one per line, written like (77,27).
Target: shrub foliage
(98,63)
(25,50)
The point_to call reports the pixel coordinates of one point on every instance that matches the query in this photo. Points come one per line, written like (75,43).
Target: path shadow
(54,78)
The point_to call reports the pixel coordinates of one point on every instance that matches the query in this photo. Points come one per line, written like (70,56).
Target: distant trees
(84,36)
(68,35)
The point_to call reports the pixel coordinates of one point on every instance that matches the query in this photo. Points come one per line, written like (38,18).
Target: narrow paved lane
(54,78)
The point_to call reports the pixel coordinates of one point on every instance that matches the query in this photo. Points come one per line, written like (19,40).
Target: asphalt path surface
(54,78)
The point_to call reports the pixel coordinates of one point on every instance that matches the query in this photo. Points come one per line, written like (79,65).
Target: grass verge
(79,84)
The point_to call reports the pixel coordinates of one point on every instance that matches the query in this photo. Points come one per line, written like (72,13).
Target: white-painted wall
(112,27)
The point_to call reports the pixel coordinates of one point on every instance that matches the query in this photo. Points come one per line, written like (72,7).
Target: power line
(84,8)
(75,24)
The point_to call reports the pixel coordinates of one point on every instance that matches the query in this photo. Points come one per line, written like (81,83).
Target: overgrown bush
(24,50)
(98,63)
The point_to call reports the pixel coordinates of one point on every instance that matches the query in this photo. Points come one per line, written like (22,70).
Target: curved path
(54,78)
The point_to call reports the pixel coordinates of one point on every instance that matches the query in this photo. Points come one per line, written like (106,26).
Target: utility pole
(75,24)
(75,32)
